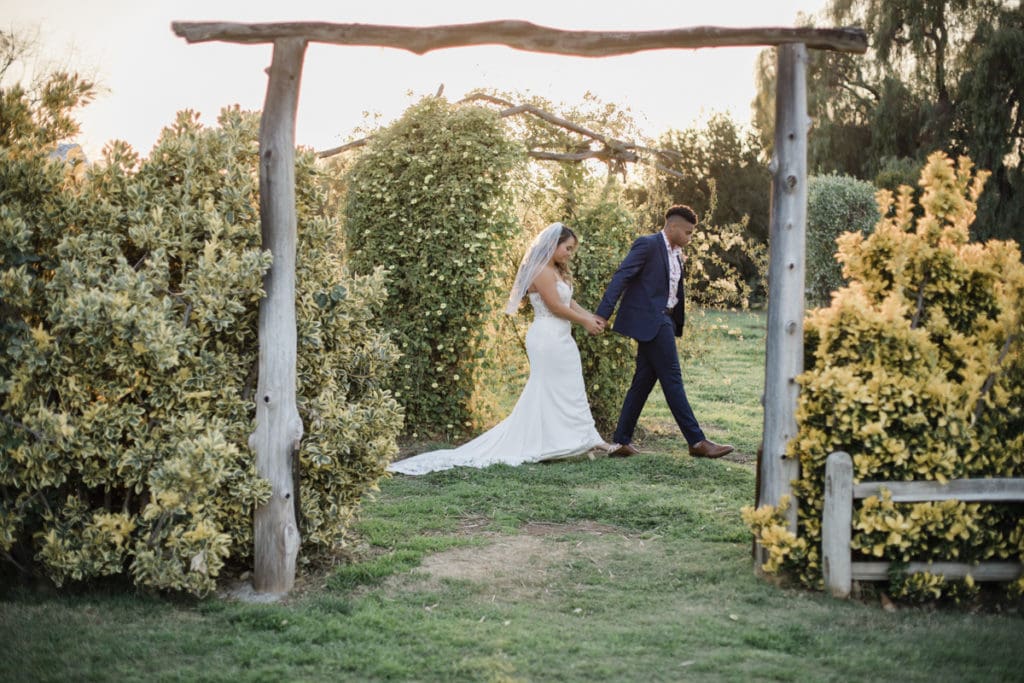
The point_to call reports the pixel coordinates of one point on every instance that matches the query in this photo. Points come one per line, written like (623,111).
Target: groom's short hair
(682,211)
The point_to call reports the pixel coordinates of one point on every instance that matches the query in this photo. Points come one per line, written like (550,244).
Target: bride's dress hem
(404,466)
(552,417)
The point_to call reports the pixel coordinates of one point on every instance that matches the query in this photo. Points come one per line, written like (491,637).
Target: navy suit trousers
(657,360)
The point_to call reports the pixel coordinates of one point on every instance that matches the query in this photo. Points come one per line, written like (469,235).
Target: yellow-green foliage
(130,349)
(769,524)
(712,272)
(712,277)
(917,371)
(429,202)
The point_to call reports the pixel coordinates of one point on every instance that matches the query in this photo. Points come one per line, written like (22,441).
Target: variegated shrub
(917,370)
(129,351)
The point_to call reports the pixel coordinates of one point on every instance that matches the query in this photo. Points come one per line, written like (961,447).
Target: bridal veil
(537,256)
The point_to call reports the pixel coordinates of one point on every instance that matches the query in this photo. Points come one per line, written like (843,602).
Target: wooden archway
(278,425)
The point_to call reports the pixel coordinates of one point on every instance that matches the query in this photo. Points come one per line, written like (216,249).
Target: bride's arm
(546,285)
(582,311)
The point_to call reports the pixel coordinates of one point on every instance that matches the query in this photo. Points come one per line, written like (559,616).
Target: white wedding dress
(552,417)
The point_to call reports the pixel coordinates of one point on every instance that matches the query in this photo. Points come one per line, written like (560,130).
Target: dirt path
(527,564)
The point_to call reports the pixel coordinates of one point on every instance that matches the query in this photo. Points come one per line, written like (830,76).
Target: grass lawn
(632,569)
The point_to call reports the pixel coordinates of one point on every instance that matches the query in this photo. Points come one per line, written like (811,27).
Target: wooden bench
(837,519)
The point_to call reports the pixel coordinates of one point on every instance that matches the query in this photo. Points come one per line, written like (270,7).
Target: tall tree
(723,155)
(940,74)
(921,42)
(843,92)
(989,124)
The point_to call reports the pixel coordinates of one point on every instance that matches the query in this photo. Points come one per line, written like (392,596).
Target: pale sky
(148,73)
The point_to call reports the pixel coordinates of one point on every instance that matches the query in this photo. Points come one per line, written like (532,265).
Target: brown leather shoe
(623,451)
(710,449)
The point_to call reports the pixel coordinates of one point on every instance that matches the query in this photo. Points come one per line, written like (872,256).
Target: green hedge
(129,336)
(835,205)
(429,202)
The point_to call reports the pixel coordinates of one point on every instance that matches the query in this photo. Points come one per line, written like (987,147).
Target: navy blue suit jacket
(642,283)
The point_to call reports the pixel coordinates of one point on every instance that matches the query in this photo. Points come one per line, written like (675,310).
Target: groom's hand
(599,323)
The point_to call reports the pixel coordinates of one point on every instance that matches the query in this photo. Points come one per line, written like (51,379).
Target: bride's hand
(594,325)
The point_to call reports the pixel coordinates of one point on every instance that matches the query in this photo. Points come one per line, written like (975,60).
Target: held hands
(595,325)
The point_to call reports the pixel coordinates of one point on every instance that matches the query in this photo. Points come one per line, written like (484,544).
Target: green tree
(841,96)
(723,155)
(989,123)
(940,74)
(861,113)
(726,181)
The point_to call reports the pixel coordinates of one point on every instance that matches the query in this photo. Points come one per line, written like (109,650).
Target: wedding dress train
(552,417)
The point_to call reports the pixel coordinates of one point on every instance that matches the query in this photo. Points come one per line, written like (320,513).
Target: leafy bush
(894,172)
(716,259)
(428,201)
(835,205)
(917,370)
(129,332)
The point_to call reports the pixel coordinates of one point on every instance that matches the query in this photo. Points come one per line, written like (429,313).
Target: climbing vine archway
(278,425)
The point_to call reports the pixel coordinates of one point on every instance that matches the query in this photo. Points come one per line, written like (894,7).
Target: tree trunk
(278,425)
(787,238)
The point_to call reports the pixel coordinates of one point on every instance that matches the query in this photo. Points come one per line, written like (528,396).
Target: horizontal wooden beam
(984,571)
(973,490)
(523,35)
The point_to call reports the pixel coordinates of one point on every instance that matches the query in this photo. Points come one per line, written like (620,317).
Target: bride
(552,417)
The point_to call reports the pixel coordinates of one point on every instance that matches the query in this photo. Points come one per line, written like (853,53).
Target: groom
(649,282)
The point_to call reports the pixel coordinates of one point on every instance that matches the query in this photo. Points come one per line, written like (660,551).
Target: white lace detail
(541,310)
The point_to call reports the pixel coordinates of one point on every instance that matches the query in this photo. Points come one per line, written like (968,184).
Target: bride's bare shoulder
(547,277)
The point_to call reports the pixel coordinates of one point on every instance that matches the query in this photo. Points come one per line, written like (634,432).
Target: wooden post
(836,518)
(278,425)
(784,356)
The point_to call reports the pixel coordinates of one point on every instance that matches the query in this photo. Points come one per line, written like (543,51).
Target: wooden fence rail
(837,518)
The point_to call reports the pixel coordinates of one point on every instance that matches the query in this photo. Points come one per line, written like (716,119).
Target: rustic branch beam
(334,151)
(512,110)
(617,145)
(523,35)
(613,151)
(601,154)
